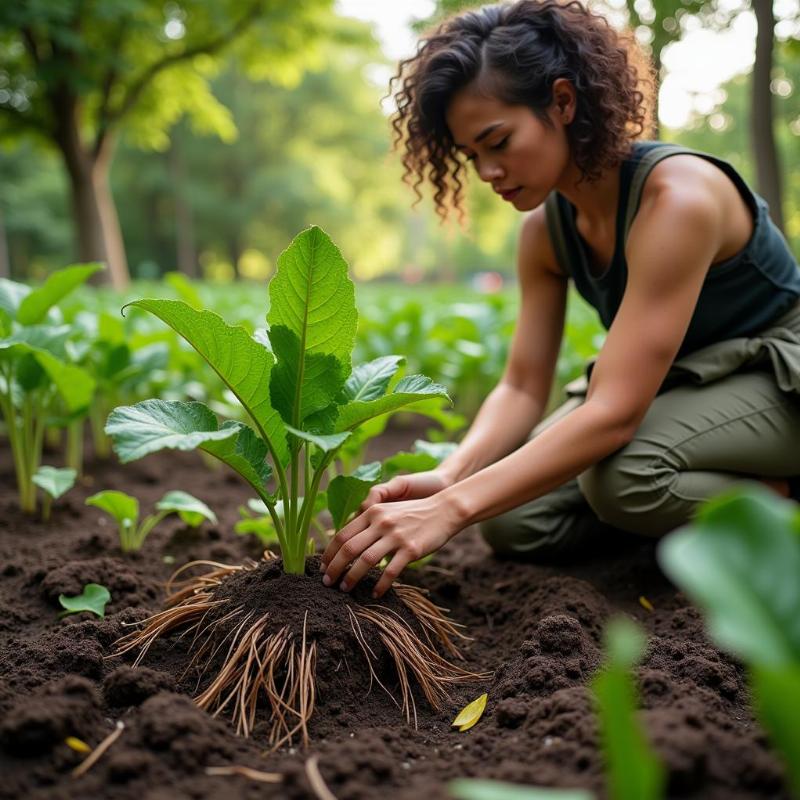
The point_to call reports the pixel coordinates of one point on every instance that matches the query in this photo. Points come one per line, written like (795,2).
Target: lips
(509,194)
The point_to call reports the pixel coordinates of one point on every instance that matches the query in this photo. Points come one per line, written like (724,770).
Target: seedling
(125,510)
(304,401)
(93,598)
(54,482)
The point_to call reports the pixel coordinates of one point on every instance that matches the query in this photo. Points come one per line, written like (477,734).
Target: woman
(696,386)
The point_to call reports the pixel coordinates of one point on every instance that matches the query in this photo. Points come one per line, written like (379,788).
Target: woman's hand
(407,487)
(409,529)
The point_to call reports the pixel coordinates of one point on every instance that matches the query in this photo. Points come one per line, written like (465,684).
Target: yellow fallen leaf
(470,714)
(78,745)
(645,603)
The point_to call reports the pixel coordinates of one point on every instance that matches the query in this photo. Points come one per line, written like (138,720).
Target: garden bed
(537,628)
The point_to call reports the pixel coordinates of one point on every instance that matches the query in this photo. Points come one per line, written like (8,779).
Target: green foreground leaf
(740,561)
(632,769)
(776,695)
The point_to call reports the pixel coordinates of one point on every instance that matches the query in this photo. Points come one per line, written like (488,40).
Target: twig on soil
(246,772)
(316,780)
(94,756)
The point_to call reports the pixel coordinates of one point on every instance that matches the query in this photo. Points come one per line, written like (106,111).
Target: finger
(353,528)
(348,552)
(377,494)
(395,489)
(371,557)
(392,572)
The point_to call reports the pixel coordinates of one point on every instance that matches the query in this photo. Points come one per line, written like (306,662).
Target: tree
(762,118)
(77,73)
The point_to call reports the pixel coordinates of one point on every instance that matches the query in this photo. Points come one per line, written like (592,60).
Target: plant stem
(143,531)
(75,446)
(28,499)
(7,406)
(307,510)
(101,444)
(47,502)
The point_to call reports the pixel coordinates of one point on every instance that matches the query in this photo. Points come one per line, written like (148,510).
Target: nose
(489,171)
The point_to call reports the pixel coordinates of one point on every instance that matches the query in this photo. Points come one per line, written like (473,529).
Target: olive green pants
(727,413)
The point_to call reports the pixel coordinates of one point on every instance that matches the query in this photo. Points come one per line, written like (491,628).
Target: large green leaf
(75,385)
(369,381)
(245,452)
(161,424)
(325,443)
(243,363)
(322,380)
(740,561)
(409,390)
(60,283)
(347,492)
(312,298)
(632,769)
(50,338)
(30,349)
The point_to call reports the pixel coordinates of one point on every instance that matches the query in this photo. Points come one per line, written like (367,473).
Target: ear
(564,100)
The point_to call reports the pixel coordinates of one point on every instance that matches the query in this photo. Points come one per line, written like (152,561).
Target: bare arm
(669,249)
(516,404)
(671,245)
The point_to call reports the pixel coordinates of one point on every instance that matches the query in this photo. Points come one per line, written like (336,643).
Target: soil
(536,628)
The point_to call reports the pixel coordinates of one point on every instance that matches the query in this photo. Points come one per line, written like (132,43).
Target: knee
(501,533)
(630,492)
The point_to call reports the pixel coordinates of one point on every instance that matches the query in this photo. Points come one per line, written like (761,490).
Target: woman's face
(510,147)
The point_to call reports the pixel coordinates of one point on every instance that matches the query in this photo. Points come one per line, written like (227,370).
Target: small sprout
(470,714)
(78,745)
(191,510)
(93,598)
(53,482)
(125,510)
(645,603)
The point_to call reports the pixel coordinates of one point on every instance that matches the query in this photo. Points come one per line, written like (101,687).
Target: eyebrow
(483,134)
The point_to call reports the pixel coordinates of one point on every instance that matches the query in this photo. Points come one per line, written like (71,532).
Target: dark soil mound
(536,628)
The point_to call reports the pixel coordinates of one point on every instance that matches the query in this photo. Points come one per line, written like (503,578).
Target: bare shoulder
(681,187)
(536,251)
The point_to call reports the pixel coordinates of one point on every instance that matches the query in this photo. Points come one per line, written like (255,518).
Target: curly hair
(514,52)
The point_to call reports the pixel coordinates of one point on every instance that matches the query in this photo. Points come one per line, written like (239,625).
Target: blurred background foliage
(223,129)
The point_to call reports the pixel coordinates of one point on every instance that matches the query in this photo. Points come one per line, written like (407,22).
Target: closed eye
(501,144)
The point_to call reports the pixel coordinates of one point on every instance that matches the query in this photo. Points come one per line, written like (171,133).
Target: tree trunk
(184,220)
(768,173)
(93,210)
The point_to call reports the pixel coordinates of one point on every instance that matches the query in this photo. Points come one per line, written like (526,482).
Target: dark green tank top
(740,295)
